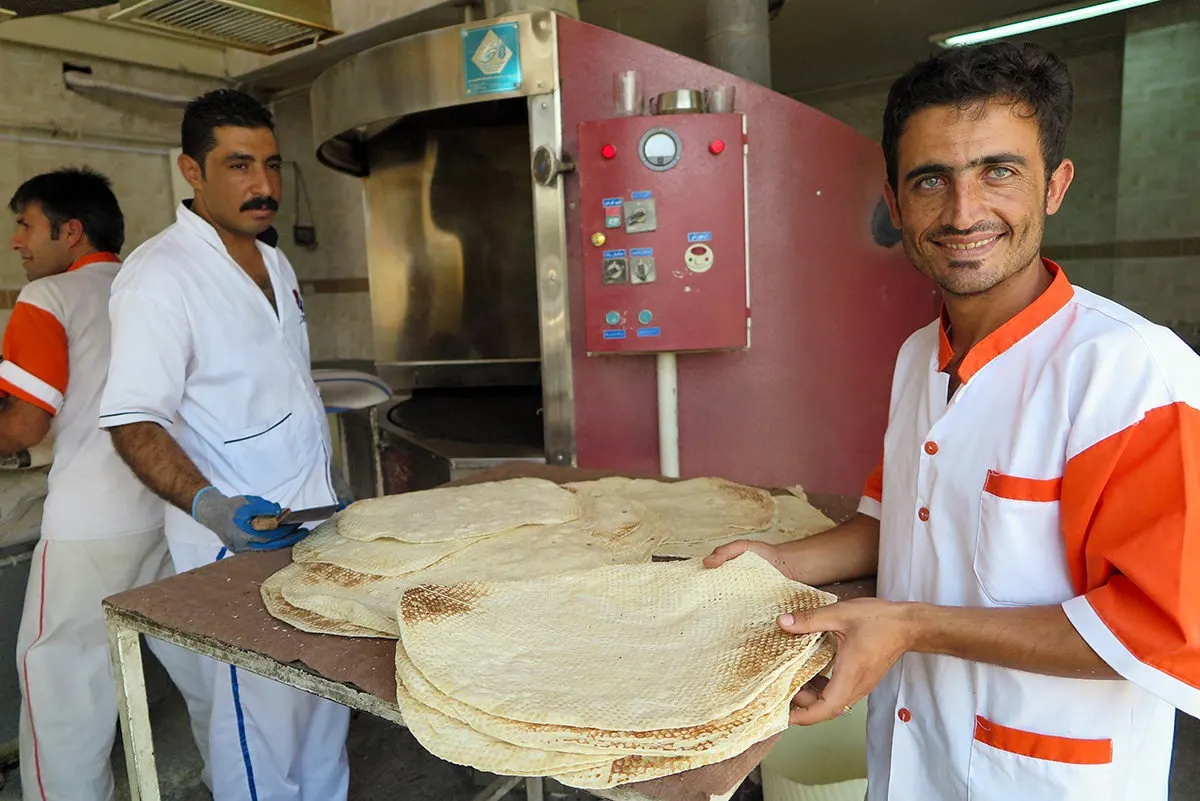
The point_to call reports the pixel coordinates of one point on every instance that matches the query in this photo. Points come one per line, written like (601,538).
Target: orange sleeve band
(1131,525)
(874,485)
(35,357)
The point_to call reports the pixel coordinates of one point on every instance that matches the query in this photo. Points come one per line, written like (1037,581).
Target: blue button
(645,317)
(612,318)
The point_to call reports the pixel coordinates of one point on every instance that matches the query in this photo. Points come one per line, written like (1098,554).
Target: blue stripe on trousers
(241,720)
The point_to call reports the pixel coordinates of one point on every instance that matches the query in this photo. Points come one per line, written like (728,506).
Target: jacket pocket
(264,457)
(1009,764)
(1020,557)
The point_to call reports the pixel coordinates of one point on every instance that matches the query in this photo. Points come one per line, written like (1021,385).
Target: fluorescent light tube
(1063,15)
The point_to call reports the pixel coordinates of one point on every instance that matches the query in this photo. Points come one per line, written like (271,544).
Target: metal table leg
(126,647)
(534,789)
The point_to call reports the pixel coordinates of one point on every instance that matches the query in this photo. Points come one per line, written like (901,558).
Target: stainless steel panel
(420,73)
(550,237)
(450,244)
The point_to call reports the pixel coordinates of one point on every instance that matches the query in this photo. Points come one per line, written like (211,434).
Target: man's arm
(22,425)
(156,458)
(844,553)
(873,634)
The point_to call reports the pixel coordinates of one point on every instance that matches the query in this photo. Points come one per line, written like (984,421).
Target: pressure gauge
(660,149)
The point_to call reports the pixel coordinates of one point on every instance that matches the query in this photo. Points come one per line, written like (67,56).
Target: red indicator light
(716,147)
(609,152)
(698,251)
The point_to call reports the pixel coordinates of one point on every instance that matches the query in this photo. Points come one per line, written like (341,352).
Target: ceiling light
(1015,26)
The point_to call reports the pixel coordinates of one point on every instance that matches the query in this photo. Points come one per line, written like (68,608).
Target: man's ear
(1057,187)
(893,204)
(191,170)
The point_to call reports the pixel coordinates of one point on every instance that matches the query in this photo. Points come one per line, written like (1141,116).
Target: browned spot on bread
(338,575)
(430,603)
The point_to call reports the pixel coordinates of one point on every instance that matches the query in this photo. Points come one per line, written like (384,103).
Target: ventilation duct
(261,26)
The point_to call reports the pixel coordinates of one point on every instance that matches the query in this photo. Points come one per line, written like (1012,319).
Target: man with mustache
(1034,523)
(210,400)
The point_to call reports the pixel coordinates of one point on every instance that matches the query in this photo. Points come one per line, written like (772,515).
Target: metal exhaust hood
(261,26)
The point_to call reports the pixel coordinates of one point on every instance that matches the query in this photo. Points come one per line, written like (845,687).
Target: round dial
(660,149)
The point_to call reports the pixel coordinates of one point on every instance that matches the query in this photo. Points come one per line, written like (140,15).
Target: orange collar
(94,258)
(1021,325)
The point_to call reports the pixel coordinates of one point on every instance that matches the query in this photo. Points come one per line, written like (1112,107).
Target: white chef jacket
(56,349)
(198,349)
(1062,471)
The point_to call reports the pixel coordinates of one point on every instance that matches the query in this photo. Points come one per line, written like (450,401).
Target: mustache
(256,203)
(977,228)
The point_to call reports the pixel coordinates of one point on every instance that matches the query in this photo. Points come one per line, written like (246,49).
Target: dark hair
(216,109)
(1022,74)
(76,193)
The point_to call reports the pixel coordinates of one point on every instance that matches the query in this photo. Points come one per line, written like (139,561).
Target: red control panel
(664,233)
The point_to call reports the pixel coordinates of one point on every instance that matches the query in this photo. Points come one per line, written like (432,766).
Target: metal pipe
(668,415)
(737,38)
(83,83)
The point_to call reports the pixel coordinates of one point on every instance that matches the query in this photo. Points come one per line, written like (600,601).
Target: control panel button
(612,318)
(608,152)
(641,216)
(645,317)
(642,270)
(699,258)
(716,147)
(616,271)
(598,239)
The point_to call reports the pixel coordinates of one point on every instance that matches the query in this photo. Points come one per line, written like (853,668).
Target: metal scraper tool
(289,516)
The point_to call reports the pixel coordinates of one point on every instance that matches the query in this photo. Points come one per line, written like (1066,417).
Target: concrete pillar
(737,38)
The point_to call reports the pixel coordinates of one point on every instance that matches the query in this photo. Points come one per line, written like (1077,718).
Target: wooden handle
(267,522)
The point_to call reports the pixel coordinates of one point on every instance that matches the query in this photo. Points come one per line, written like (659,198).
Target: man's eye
(1000,172)
(929,182)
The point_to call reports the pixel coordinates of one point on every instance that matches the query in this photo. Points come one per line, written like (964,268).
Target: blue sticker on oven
(614,254)
(614,202)
(642,253)
(700,236)
(492,58)
(649,332)
(618,334)
(641,195)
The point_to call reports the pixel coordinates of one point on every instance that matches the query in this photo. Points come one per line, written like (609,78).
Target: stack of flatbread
(606,676)
(538,637)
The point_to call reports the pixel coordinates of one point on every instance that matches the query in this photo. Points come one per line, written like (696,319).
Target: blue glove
(229,518)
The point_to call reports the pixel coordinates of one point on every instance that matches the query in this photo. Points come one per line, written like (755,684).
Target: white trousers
(68,695)
(268,741)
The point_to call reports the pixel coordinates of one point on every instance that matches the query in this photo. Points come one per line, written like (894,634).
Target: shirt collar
(1021,325)
(186,216)
(95,258)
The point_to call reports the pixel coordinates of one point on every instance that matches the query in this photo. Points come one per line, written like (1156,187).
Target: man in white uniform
(210,400)
(1035,520)
(101,528)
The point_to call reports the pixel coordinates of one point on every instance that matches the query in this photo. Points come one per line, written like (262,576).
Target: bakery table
(217,611)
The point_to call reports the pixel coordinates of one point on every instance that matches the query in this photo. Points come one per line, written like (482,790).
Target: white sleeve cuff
(870,507)
(118,419)
(1099,636)
(27,382)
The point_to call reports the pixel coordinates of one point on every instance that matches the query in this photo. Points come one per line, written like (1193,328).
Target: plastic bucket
(826,762)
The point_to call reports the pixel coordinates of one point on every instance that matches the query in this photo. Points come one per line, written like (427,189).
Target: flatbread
(454,741)
(454,513)
(380,557)
(272,595)
(764,716)
(611,532)
(695,510)
(625,648)
(795,518)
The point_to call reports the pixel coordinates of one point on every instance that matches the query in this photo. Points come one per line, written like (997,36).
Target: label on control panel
(618,334)
(613,202)
(649,332)
(641,195)
(641,253)
(700,236)
(614,254)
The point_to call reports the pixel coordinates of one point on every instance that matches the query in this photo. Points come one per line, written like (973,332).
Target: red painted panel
(681,286)
(807,402)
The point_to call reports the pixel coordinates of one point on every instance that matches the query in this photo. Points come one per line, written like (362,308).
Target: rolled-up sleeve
(871,503)
(151,351)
